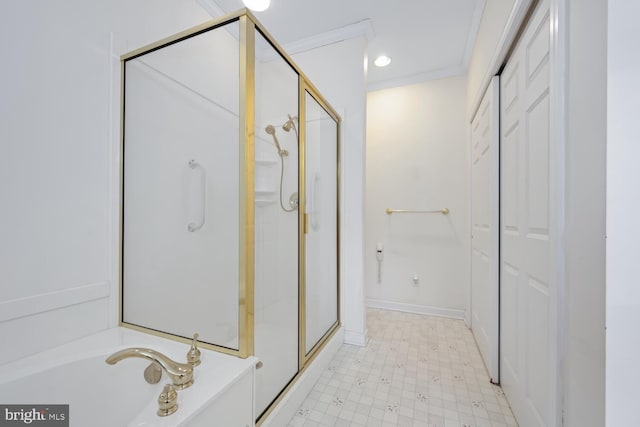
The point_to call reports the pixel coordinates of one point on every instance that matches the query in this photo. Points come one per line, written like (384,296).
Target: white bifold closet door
(528,348)
(485,291)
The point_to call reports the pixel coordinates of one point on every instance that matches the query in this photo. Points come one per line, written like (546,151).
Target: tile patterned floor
(416,371)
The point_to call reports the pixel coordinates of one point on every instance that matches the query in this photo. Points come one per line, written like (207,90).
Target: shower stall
(230,190)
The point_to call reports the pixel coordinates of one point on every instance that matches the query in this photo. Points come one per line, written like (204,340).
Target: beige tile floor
(415,371)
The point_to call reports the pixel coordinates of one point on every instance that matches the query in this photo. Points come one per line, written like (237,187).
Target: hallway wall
(418,158)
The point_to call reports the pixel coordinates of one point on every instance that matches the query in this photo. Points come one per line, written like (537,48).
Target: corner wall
(585,209)
(418,159)
(623,205)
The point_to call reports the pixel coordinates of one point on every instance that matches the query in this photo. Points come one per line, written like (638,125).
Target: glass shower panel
(276,223)
(321,258)
(181,188)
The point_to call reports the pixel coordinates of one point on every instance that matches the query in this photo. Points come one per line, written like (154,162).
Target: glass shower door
(321,207)
(276,223)
(181,173)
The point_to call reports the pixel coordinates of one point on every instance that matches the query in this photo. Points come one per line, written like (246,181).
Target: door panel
(321,210)
(527,350)
(484,229)
(276,224)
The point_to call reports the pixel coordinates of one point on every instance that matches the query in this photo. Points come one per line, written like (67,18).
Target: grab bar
(443,211)
(193,227)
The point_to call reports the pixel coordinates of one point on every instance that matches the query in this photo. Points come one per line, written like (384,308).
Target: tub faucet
(181,374)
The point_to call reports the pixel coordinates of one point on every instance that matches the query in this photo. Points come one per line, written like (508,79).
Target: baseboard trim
(417,309)
(355,338)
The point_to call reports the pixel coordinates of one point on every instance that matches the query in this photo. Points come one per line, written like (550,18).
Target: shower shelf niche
(266,176)
(265,197)
(266,162)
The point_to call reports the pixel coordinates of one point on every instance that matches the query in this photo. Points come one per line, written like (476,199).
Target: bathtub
(117,395)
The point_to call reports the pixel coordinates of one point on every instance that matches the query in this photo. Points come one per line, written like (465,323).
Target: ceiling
(426,39)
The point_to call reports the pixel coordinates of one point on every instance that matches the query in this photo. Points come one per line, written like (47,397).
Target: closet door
(485,291)
(528,295)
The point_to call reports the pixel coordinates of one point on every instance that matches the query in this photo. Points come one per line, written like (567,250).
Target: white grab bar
(193,227)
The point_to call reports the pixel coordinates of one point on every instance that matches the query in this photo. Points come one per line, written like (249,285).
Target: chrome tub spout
(181,374)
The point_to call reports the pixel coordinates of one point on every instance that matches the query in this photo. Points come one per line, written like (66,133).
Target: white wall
(54,168)
(623,205)
(59,129)
(418,158)
(584,244)
(337,70)
(494,17)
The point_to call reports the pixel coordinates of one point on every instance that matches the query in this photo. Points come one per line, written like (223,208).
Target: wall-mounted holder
(443,211)
(193,227)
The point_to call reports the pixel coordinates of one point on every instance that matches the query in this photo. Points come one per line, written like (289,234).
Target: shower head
(272,131)
(290,124)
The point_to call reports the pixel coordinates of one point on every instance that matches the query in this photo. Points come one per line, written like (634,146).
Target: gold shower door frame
(249,28)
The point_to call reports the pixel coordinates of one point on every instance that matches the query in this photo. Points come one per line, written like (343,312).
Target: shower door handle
(193,227)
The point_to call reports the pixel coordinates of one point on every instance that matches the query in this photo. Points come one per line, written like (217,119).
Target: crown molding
(351,31)
(455,71)
(473,32)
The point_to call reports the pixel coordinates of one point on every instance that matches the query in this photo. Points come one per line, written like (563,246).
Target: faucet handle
(167,401)
(193,355)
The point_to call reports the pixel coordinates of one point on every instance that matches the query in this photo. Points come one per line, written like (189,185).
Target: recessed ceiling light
(257,5)
(382,61)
